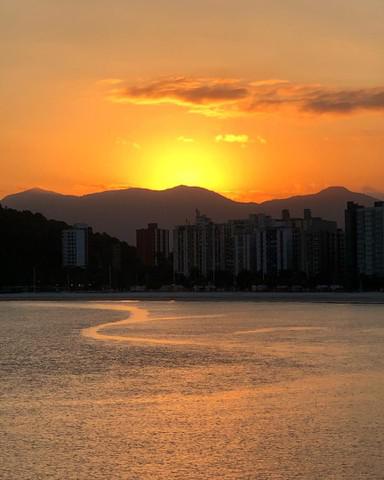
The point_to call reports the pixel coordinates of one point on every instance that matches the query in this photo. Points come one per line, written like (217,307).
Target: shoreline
(300,297)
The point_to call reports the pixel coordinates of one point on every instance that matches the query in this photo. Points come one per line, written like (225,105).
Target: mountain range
(121,212)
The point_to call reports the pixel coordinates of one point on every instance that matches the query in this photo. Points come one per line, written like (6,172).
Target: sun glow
(185,164)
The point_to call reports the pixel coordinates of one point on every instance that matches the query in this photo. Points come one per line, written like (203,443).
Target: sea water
(191,390)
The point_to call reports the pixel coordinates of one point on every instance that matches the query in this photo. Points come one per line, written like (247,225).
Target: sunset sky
(254,99)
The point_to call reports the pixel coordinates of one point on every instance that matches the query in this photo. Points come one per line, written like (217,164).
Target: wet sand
(312,297)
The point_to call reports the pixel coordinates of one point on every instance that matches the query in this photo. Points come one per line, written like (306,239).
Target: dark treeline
(31,257)
(247,280)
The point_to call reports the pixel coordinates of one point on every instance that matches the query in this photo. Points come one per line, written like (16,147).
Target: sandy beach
(312,297)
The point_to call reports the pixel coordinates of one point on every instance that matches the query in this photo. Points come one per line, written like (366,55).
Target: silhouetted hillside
(30,250)
(329,203)
(121,212)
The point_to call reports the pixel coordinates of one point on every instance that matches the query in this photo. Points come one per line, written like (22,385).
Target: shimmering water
(185,390)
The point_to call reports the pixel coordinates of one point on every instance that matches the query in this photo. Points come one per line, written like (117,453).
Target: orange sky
(253,99)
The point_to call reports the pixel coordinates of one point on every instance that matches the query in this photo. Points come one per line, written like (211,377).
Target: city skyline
(301,251)
(225,97)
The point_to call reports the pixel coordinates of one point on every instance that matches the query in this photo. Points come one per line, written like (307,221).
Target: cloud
(208,96)
(346,101)
(185,139)
(232,138)
(243,139)
(223,97)
(126,142)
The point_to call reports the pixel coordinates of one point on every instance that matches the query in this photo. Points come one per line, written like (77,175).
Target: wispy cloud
(261,140)
(185,139)
(243,139)
(127,143)
(232,138)
(229,97)
(208,96)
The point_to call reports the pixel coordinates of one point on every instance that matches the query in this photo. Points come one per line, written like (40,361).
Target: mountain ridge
(121,212)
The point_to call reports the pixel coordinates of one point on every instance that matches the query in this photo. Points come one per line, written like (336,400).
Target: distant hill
(329,203)
(121,212)
(31,250)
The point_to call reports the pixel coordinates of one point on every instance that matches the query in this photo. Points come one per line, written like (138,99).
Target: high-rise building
(370,240)
(319,248)
(75,246)
(203,248)
(273,248)
(351,268)
(243,252)
(184,249)
(364,242)
(152,244)
(340,262)
(262,245)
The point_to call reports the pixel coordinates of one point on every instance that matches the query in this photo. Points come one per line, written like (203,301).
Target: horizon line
(225,194)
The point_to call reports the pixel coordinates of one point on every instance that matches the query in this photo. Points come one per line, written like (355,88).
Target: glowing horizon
(155,95)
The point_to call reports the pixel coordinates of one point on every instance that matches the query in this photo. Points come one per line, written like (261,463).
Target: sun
(188,164)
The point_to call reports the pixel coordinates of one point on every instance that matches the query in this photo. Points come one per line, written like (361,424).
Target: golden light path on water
(139,315)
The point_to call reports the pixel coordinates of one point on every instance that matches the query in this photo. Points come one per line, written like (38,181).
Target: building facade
(364,243)
(203,248)
(152,244)
(75,246)
(370,240)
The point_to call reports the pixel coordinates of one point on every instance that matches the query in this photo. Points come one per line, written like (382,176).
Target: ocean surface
(191,390)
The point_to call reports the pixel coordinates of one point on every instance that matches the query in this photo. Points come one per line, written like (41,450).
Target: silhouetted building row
(267,247)
(307,250)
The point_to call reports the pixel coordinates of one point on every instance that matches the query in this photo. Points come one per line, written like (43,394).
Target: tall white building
(75,246)
(242,246)
(262,245)
(203,247)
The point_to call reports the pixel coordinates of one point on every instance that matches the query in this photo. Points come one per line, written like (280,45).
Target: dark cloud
(225,97)
(346,101)
(187,90)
